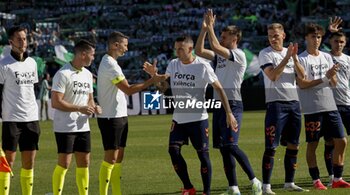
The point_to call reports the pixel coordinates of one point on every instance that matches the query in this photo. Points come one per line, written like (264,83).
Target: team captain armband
(325,80)
(118,79)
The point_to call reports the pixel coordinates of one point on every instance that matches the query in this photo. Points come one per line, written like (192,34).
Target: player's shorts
(326,124)
(282,123)
(223,136)
(73,142)
(114,132)
(344,112)
(196,131)
(24,134)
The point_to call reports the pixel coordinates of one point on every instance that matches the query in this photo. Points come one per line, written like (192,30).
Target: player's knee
(292,146)
(203,155)
(174,151)
(269,152)
(340,142)
(235,149)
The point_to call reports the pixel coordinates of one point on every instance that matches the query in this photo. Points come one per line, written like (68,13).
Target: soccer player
(189,77)
(283,117)
(319,107)
(341,92)
(112,86)
(20,126)
(72,97)
(230,64)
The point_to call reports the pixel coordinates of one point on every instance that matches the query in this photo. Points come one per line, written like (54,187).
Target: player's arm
(230,119)
(131,89)
(213,41)
(298,68)
(163,85)
(91,103)
(199,48)
(305,83)
(1,89)
(332,75)
(59,103)
(274,73)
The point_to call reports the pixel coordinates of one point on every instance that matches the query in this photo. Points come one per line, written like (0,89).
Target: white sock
(266,186)
(287,184)
(254,180)
(337,179)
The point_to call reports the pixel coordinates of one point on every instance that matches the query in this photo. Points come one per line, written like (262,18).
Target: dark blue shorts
(326,124)
(197,132)
(344,112)
(282,123)
(223,136)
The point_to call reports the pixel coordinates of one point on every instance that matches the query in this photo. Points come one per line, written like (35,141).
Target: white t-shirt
(283,89)
(76,87)
(111,99)
(189,81)
(19,102)
(342,91)
(320,97)
(230,73)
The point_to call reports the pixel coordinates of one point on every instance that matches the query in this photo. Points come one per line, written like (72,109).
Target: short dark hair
(116,36)
(313,28)
(184,38)
(337,34)
(11,32)
(233,30)
(83,45)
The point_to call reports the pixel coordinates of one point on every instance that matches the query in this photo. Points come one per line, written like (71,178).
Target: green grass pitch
(147,167)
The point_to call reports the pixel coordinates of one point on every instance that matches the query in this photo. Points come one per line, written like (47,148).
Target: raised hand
(210,19)
(204,23)
(334,24)
(295,51)
(151,69)
(333,71)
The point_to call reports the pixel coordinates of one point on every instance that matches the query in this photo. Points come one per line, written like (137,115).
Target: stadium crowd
(152,25)
(89,29)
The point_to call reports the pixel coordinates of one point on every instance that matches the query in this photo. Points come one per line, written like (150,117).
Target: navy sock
(180,166)
(242,159)
(314,173)
(229,166)
(328,153)
(290,164)
(267,165)
(338,171)
(205,170)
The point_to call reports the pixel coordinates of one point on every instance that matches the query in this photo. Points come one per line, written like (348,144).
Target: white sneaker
(231,192)
(293,187)
(268,191)
(256,188)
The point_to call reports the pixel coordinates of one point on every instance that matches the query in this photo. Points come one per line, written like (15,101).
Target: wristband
(325,80)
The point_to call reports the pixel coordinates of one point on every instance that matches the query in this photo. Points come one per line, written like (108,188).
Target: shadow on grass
(246,189)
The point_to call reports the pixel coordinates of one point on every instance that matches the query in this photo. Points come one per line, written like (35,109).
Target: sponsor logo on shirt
(25,78)
(81,88)
(184,80)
